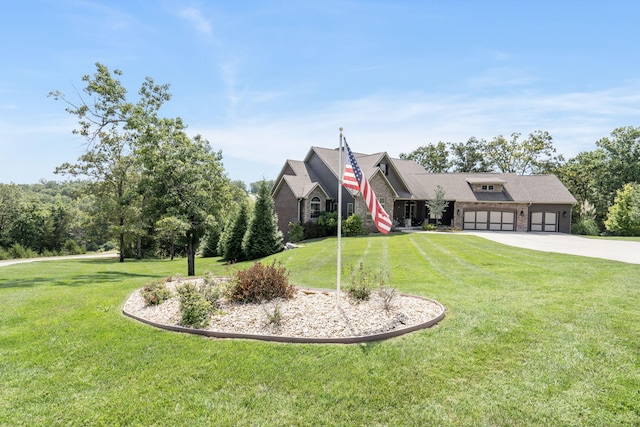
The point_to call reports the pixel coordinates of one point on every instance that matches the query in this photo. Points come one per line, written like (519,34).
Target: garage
(544,221)
(489,220)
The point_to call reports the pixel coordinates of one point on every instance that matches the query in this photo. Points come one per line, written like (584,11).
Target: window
(381,200)
(349,209)
(315,207)
(487,187)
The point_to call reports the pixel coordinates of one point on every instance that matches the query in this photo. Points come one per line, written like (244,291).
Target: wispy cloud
(194,16)
(398,123)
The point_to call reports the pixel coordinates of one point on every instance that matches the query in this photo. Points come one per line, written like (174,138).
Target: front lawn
(530,338)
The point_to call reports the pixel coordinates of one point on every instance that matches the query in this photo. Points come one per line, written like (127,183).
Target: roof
(415,183)
(485,180)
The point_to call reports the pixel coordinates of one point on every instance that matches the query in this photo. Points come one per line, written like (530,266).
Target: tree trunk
(191,256)
(139,251)
(173,251)
(121,246)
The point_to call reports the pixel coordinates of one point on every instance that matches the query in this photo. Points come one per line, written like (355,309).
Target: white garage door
(544,221)
(489,220)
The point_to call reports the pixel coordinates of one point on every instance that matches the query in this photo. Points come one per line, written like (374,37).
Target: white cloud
(194,16)
(402,122)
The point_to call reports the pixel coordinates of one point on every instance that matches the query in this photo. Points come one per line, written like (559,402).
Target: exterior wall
(522,220)
(286,206)
(564,221)
(320,173)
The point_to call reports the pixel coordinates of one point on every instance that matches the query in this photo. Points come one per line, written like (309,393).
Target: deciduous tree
(111,126)
(433,157)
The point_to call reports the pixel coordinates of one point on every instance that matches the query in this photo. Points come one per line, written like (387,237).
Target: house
(476,201)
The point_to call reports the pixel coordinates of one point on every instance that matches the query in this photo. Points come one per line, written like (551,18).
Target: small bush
(329,223)
(296,232)
(261,283)
(212,289)
(71,247)
(428,227)
(312,230)
(4,254)
(360,284)
(18,251)
(274,317)
(156,293)
(387,295)
(195,310)
(585,227)
(352,226)
(109,246)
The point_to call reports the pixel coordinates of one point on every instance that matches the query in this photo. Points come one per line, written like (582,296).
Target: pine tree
(233,251)
(263,237)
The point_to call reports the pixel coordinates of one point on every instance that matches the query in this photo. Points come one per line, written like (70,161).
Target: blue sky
(263,81)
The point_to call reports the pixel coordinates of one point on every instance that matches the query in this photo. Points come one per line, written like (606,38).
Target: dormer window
(487,187)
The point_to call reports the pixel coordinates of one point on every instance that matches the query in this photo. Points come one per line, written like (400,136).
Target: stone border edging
(299,340)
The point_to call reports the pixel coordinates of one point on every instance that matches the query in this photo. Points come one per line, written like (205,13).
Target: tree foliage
(624,214)
(535,154)
(469,156)
(437,204)
(433,157)
(532,155)
(262,237)
(231,242)
(111,126)
(183,178)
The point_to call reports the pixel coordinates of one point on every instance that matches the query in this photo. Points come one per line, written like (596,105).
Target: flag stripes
(353,178)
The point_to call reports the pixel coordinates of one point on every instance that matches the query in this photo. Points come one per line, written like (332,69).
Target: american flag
(353,179)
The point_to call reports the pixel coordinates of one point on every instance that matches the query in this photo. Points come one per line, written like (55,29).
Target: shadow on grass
(79,280)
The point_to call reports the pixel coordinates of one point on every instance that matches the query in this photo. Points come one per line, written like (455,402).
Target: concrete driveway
(616,250)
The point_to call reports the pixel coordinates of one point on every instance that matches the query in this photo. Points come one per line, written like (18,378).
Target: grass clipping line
(310,315)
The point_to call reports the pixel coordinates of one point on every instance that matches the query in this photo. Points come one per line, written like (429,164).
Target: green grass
(530,338)
(627,238)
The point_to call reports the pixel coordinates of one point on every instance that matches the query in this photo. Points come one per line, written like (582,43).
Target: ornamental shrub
(261,283)
(212,289)
(195,310)
(360,285)
(352,226)
(156,293)
(296,232)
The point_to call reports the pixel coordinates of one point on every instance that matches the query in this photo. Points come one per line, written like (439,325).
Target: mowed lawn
(529,338)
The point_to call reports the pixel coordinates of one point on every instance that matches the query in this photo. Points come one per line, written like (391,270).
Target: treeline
(604,181)
(54,218)
(47,219)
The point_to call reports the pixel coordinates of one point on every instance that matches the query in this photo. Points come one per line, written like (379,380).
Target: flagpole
(339,263)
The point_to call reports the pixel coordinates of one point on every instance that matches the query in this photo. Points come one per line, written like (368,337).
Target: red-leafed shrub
(261,283)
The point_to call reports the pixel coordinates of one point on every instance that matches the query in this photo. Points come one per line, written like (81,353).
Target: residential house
(476,201)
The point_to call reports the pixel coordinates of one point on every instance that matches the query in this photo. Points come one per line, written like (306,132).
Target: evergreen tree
(232,248)
(263,237)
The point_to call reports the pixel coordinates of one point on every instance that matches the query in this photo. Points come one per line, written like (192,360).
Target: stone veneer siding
(522,221)
(307,204)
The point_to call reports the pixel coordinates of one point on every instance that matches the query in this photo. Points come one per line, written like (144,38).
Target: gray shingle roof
(420,184)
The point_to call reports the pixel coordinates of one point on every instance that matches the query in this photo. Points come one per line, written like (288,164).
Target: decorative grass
(530,338)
